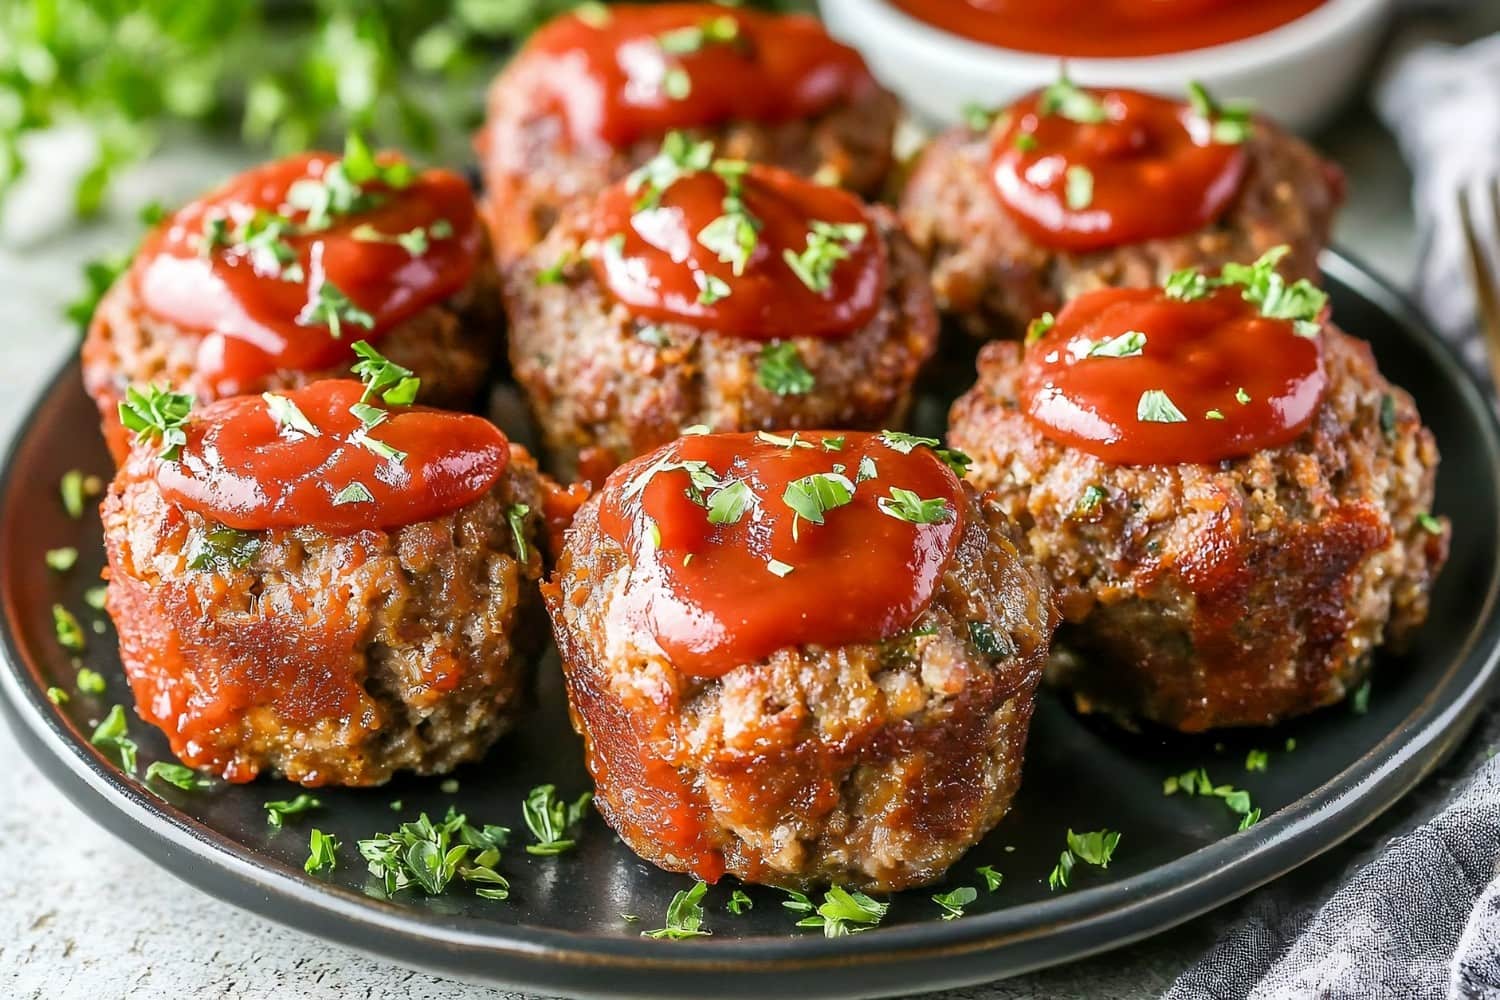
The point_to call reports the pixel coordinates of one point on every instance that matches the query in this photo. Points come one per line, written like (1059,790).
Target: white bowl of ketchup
(1297,60)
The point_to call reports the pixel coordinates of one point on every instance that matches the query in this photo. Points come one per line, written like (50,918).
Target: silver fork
(1484,268)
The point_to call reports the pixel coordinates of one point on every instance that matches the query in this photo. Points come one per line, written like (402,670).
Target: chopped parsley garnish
(687,40)
(679,156)
(1388,417)
(342,188)
(990,641)
(842,912)
(1156,407)
(1127,345)
(739,902)
(779,369)
(1300,302)
(394,384)
(287,415)
(777,567)
(906,443)
(550,819)
(1231,123)
(827,244)
(177,775)
(89,681)
(553,273)
(95,597)
(277,812)
(654,335)
(1040,327)
(1078,189)
(111,735)
(221,549)
(1093,495)
(977,117)
(867,470)
(61,559)
(711,288)
(1359,702)
(812,496)
(427,856)
(732,236)
(676,83)
(1430,524)
(1241,396)
(684,916)
(592,13)
(904,505)
(57,696)
(1095,848)
(1070,101)
(322,852)
(1257,760)
(992,878)
(157,412)
(516,517)
(70,488)
(355,492)
(1197,782)
(1213,414)
(329,307)
(1291,744)
(1025,142)
(953,902)
(729,503)
(261,238)
(415,241)
(783,441)
(69,632)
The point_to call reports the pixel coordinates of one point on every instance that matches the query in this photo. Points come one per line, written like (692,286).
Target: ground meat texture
(451,346)
(532,171)
(606,386)
(993,279)
(874,765)
(1236,594)
(330,660)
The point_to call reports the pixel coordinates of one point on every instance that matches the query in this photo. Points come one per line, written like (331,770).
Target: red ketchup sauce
(640,71)
(247,308)
(715,597)
(1107,28)
(242,469)
(1205,355)
(1152,167)
(662,269)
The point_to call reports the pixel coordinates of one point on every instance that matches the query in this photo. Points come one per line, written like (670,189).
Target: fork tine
(1487,296)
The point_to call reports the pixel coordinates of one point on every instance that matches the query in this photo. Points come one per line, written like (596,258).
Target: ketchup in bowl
(1106,28)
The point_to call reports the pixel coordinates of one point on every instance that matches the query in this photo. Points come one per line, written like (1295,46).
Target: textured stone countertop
(84,916)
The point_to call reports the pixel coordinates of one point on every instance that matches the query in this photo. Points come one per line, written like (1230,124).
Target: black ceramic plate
(563,931)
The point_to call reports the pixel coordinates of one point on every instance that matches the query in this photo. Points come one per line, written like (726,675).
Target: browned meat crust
(451,346)
(1231,595)
(597,388)
(993,279)
(873,765)
(532,170)
(331,660)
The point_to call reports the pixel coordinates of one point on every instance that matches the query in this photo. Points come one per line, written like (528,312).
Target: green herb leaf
(177,775)
(221,549)
(992,878)
(157,412)
(953,902)
(827,244)
(1231,123)
(1129,344)
(1097,848)
(732,237)
(113,735)
(322,852)
(427,856)
(1072,102)
(679,157)
(57,696)
(1359,702)
(842,912)
(1061,872)
(516,516)
(1040,327)
(989,640)
(812,496)
(739,902)
(89,682)
(287,415)
(69,632)
(279,811)
(1430,524)
(329,307)
(62,559)
(711,288)
(729,503)
(904,505)
(1078,191)
(1156,407)
(684,916)
(1256,760)
(550,819)
(355,492)
(780,370)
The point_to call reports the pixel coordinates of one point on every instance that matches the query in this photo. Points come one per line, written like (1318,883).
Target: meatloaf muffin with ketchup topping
(594,92)
(801,659)
(265,283)
(322,583)
(708,291)
(1071,189)
(1232,503)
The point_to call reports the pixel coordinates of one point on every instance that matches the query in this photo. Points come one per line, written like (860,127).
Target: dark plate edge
(960,953)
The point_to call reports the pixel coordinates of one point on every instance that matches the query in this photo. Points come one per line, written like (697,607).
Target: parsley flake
(1039,327)
(62,559)
(279,811)
(427,856)
(288,416)
(729,503)
(842,912)
(1068,100)
(827,244)
(812,496)
(1359,701)
(953,902)
(1257,760)
(550,819)
(221,549)
(157,412)
(177,775)
(1156,407)
(711,288)
(992,878)
(329,307)
(739,902)
(678,157)
(779,369)
(322,852)
(1230,124)
(904,505)
(1129,344)
(89,682)
(393,383)
(516,517)
(1078,190)
(684,916)
(355,492)
(111,735)
(69,632)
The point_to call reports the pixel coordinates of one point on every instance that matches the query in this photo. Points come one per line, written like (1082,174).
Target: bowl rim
(1296,39)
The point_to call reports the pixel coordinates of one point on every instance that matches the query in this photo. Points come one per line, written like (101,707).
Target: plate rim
(978,948)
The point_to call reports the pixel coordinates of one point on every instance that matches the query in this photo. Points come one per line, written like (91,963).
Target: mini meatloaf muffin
(321,586)
(703,291)
(594,92)
(1233,507)
(265,283)
(1070,190)
(800,659)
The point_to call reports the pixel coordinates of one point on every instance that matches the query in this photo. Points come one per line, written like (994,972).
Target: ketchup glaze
(1150,167)
(1107,28)
(245,470)
(633,71)
(265,306)
(716,596)
(654,251)
(1213,378)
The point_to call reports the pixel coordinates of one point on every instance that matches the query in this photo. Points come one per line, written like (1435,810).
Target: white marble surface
(83,916)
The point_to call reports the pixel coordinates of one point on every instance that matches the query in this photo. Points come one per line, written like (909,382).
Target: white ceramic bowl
(1299,73)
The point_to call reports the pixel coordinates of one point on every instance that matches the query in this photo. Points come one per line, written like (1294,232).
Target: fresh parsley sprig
(842,912)
(157,412)
(684,916)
